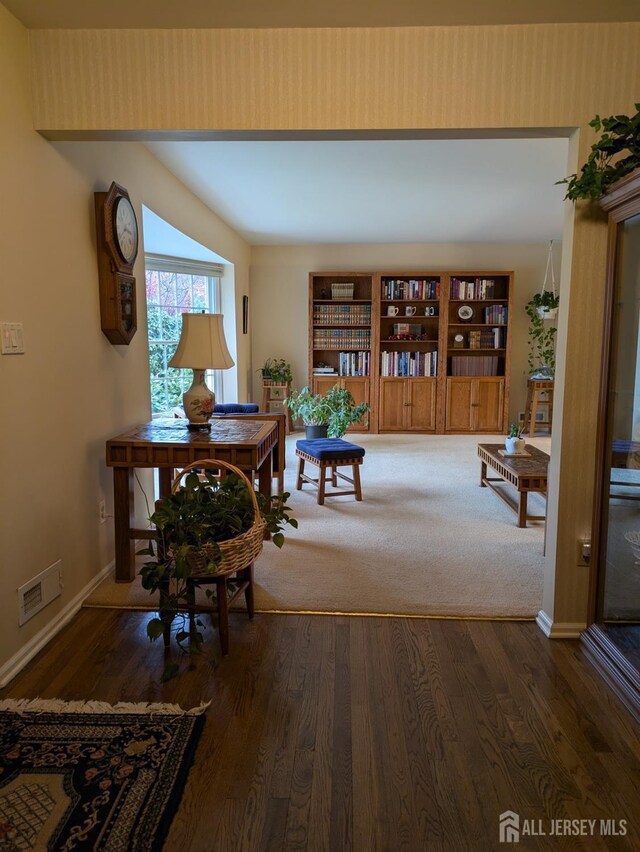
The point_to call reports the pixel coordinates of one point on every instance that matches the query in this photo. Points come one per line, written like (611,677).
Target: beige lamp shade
(202,344)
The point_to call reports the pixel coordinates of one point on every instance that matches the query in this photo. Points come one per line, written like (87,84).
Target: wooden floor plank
(369,733)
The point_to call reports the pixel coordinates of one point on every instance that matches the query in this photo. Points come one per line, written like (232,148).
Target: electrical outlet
(584,551)
(102,511)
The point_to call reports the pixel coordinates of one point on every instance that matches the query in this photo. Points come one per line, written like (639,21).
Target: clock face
(126,230)
(465,312)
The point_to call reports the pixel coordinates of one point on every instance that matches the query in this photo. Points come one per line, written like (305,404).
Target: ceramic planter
(514,445)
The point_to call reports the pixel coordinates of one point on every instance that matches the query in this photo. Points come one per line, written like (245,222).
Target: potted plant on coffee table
(326,415)
(514,442)
(208,526)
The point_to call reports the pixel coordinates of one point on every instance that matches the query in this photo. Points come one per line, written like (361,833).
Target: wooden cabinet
(428,351)
(475,404)
(358,386)
(476,344)
(407,405)
(341,314)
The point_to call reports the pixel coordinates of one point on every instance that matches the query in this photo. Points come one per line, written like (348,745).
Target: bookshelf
(428,351)
(341,335)
(409,347)
(477,344)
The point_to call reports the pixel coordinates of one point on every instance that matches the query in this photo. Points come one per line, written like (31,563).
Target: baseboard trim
(20,659)
(559,629)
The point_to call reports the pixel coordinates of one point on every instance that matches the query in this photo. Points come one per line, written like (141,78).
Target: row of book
(354,363)
(408,363)
(495,314)
(474,365)
(342,338)
(489,338)
(476,288)
(342,314)
(410,288)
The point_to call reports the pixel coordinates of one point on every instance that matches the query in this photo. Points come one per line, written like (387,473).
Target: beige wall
(280,281)
(72,389)
(474,78)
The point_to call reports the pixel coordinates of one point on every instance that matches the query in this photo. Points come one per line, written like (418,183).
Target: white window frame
(214,272)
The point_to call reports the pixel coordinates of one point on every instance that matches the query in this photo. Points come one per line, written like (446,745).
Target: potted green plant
(326,415)
(276,370)
(514,442)
(198,526)
(542,355)
(615,154)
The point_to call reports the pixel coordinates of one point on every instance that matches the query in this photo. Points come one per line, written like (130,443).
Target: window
(175,286)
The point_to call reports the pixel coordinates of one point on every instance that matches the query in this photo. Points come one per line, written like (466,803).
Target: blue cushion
(325,449)
(235,408)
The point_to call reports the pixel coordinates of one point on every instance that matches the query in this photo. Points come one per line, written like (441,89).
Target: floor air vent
(40,591)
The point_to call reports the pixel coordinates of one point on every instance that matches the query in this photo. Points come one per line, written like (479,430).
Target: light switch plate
(12,334)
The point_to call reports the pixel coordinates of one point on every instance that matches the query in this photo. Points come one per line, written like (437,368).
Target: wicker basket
(237,553)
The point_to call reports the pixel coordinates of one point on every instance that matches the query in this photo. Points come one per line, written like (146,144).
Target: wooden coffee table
(527,474)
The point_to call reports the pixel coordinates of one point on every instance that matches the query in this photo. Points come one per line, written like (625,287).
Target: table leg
(265,476)
(522,509)
(122,522)
(165,478)
(483,473)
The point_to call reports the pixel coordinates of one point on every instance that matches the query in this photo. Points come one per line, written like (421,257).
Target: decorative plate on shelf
(465,312)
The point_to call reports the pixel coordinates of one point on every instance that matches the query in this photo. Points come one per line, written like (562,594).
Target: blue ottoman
(235,408)
(330,453)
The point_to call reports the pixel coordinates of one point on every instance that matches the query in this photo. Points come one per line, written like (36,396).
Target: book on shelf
(324,371)
(474,365)
(408,364)
(472,288)
(419,289)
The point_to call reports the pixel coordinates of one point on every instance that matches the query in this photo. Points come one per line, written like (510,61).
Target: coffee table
(528,474)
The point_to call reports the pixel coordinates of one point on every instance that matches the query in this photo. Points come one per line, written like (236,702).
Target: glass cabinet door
(618,580)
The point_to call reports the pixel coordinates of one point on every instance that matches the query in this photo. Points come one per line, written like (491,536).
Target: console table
(250,445)
(527,474)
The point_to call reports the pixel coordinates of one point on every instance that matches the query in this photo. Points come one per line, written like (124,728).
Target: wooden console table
(250,445)
(527,474)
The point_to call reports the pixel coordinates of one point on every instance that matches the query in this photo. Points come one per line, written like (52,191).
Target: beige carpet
(425,540)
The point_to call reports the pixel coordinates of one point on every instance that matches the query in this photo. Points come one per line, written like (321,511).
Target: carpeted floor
(425,540)
(90,776)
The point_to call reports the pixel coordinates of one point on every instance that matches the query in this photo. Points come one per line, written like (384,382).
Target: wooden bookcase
(399,341)
(477,306)
(342,314)
(409,343)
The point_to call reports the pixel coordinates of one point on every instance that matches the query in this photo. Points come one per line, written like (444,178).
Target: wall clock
(465,312)
(117,245)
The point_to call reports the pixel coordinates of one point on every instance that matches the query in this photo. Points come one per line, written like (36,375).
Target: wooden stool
(535,387)
(273,396)
(244,579)
(330,453)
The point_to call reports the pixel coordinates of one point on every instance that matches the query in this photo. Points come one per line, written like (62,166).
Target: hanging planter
(541,307)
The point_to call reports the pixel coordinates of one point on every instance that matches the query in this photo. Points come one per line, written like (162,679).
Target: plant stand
(536,387)
(273,397)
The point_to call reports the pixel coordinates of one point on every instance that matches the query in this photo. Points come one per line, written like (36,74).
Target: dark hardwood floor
(338,733)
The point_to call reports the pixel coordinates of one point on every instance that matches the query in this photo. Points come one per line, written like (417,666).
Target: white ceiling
(378,191)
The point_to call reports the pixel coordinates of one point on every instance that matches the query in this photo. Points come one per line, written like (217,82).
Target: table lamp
(201,347)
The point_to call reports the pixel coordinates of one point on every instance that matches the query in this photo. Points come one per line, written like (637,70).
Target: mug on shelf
(410,310)
(430,311)
(392,311)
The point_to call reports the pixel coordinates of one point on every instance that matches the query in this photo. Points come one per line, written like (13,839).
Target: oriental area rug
(76,775)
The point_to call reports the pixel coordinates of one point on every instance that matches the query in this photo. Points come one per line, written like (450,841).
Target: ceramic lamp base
(198,402)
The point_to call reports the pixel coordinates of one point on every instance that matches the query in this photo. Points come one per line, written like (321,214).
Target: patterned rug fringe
(55,705)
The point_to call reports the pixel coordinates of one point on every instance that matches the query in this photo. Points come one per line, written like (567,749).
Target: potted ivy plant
(326,415)
(197,526)
(615,154)
(542,355)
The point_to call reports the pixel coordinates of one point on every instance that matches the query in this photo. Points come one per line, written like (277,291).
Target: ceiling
(378,191)
(80,14)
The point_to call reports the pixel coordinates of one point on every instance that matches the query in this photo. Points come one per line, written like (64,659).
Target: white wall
(72,389)
(279,291)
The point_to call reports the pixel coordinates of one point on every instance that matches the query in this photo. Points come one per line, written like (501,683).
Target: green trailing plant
(615,154)
(191,522)
(276,370)
(337,408)
(542,351)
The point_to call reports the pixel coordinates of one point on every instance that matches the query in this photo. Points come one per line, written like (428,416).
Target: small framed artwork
(245,314)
